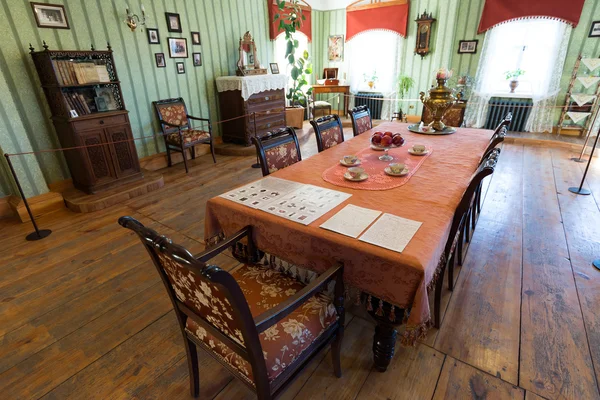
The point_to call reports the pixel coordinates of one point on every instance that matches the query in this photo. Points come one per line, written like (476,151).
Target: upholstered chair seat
(265,288)
(189,136)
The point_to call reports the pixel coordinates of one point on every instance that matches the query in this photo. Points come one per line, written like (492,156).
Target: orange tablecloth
(430,196)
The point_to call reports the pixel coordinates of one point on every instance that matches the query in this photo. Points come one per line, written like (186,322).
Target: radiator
(367,98)
(500,107)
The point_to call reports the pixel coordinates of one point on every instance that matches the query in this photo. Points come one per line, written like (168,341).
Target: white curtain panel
(375,51)
(536,45)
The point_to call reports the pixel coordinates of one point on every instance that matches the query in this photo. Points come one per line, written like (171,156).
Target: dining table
(394,285)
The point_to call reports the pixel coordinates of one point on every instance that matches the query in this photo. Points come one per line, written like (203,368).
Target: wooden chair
(318,105)
(461,217)
(263,337)
(178,131)
(277,150)
(361,119)
(328,131)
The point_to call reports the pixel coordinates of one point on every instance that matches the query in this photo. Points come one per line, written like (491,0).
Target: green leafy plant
(405,83)
(290,19)
(371,77)
(514,75)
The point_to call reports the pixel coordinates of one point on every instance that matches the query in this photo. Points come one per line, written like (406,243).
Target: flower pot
(294,116)
(513,85)
(371,84)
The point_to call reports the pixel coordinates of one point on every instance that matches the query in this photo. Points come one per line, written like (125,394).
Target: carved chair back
(208,295)
(329,131)
(361,119)
(277,149)
(172,111)
(495,140)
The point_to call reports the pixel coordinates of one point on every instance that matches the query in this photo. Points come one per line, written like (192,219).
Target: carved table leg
(384,340)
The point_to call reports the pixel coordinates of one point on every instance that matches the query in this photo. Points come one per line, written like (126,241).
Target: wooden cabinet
(107,156)
(269,109)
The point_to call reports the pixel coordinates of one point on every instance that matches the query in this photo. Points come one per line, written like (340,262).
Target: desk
(344,89)
(401,279)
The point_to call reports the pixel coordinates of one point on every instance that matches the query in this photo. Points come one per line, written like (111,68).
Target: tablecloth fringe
(413,333)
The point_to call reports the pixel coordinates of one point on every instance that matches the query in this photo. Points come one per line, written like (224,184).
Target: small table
(344,89)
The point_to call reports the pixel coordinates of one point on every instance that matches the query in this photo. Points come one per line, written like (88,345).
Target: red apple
(390,134)
(397,139)
(386,141)
(376,138)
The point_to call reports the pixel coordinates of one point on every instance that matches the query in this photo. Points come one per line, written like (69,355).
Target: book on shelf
(81,100)
(80,72)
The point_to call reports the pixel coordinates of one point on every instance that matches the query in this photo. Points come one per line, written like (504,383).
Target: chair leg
(437,300)
(169,156)
(451,273)
(473,216)
(468,227)
(459,248)
(193,151)
(192,356)
(336,353)
(184,160)
(212,151)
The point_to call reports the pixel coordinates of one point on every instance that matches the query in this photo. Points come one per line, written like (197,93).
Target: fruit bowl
(384,141)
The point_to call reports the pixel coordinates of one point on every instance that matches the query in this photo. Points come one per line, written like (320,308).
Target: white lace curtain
(536,45)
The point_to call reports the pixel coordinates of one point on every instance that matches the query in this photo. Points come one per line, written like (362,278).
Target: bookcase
(85,98)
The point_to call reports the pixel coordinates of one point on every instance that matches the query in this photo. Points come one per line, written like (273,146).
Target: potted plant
(513,76)
(405,83)
(290,19)
(371,79)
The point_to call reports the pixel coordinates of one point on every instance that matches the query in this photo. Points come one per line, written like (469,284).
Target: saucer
(388,171)
(414,153)
(357,163)
(363,177)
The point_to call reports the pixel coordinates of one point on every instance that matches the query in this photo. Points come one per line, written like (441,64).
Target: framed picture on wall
(196,38)
(467,46)
(197,57)
(180,68)
(178,48)
(336,48)
(274,68)
(153,37)
(595,29)
(173,22)
(160,60)
(50,15)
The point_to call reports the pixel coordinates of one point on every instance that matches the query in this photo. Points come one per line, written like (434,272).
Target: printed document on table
(351,220)
(262,192)
(306,204)
(391,232)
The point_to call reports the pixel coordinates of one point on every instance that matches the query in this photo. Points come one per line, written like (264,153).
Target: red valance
(391,16)
(306,24)
(498,11)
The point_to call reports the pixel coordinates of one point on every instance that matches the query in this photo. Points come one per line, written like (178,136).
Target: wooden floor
(83,314)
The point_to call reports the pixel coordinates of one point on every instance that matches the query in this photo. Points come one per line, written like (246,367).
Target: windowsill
(516,95)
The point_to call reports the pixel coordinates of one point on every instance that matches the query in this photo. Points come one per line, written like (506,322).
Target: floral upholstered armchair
(361,119)
(329,131)
(178,131)
(277,150)
(260,324)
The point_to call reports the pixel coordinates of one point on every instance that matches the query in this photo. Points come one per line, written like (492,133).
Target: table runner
(378,179)
(430,196)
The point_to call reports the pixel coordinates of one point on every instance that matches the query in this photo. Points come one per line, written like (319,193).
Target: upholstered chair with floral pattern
(277,150)
(329,131)
(178,131)
(262,325)
(361,119)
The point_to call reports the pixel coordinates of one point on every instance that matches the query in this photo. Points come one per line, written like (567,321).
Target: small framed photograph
(173,22)
(178,48)
(160,60)
(50,15)
(595,29)
(108,96)
(274,68)
(153,37)
(196,38)
(101,104)
(73,114)
(467,46)
(197,57)
(180,68)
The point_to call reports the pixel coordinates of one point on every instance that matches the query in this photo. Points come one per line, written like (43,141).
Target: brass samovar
(440,100)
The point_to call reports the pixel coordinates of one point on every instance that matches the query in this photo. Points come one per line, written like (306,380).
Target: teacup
(419,148)
(352,159)
(356,172)
(397,168)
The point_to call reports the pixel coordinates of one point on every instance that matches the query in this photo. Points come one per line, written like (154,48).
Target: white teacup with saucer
(356,174)
(350,161)
(418,150)
(396,169)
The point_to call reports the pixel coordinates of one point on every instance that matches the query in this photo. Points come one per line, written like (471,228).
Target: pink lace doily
(378,179)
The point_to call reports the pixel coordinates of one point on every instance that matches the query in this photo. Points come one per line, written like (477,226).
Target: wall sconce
(133,20)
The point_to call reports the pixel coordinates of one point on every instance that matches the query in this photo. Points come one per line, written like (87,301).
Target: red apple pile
(387,139)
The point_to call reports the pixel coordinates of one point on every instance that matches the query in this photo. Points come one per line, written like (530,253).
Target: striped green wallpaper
(24,115)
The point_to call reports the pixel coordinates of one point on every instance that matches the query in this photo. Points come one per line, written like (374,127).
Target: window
(280,49)
(531,45)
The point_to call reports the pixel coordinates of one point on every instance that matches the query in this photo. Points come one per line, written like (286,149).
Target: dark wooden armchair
(263,337)
(460,220)
(328,131)
(277,150)
(178,131)
(361,119)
